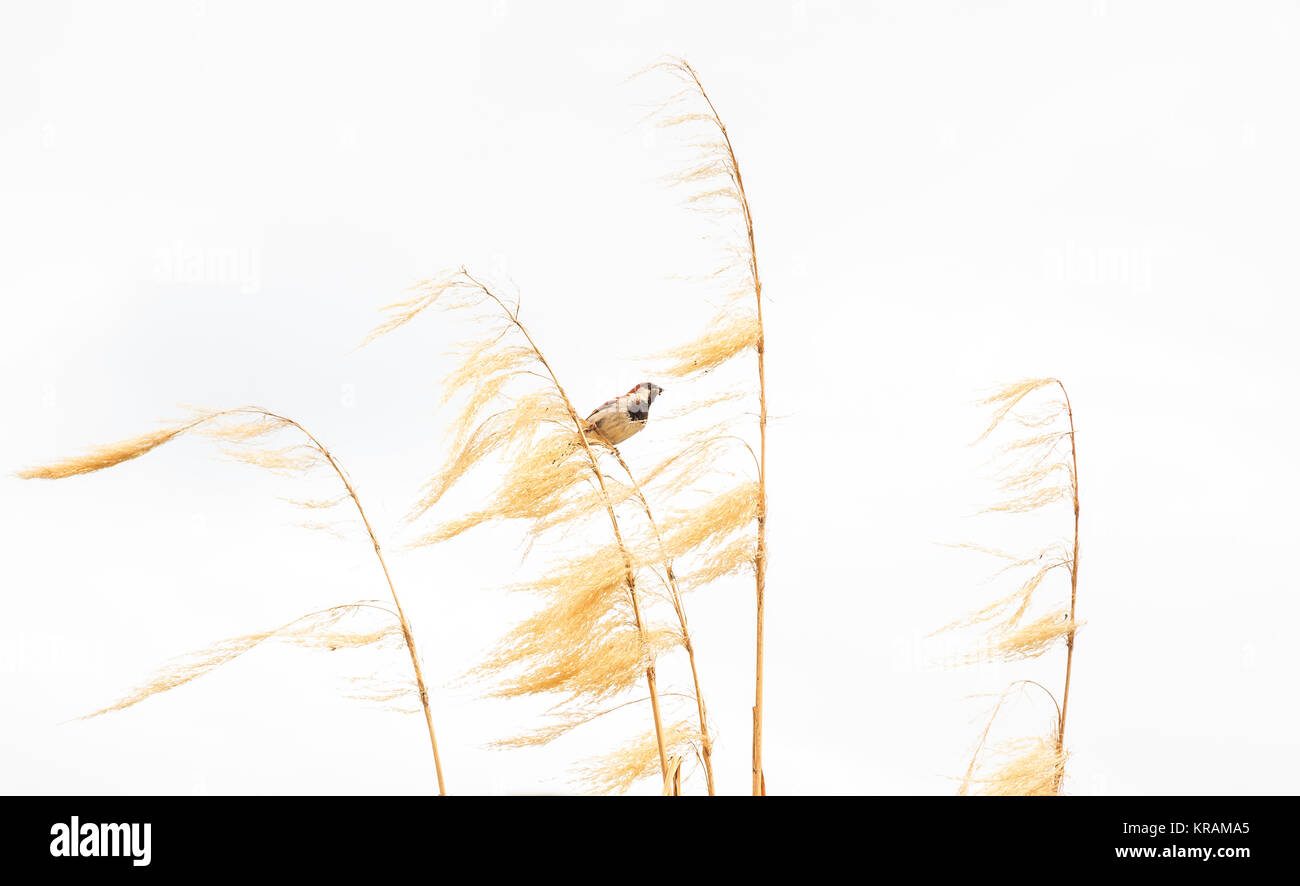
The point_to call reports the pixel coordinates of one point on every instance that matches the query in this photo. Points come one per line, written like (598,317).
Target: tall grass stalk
(1037,472)
(581,427)
(575,643)
(719,186)
(706,742)
(1074,575)
(252,424)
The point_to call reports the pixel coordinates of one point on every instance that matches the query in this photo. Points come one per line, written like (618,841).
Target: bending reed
(242,431)
(715,185)
(1038,471)
(594,637)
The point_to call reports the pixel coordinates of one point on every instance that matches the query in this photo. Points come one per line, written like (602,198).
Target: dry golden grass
(1030,767)
(719,517)
(673,780)
(1005,614)
(735,556)
(317,630)
(598,629)
(610,605)
(243,433)
(595,634)
(618,770)
(728,336)
(106,456)
(713,184)
(1037,469)
(1028,640)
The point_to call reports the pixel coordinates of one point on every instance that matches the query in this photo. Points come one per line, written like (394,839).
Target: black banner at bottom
(333,835)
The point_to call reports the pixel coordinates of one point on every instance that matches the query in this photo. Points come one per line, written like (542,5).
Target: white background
(946,197)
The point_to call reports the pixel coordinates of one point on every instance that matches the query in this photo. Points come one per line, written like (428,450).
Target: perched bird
(620,418)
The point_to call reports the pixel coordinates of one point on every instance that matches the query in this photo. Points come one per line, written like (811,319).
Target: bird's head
(649,389)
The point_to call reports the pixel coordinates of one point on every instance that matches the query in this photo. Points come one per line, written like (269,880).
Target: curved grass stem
(706,742)
(760,558)
(1074,578)
(108,456)
(407,636)
(630,574)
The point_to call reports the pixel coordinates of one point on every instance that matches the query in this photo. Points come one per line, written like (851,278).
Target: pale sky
(207,203)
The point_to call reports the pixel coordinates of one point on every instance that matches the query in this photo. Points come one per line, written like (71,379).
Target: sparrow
(616,420)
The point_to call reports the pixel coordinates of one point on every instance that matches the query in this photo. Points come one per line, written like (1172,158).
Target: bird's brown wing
(608,404)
